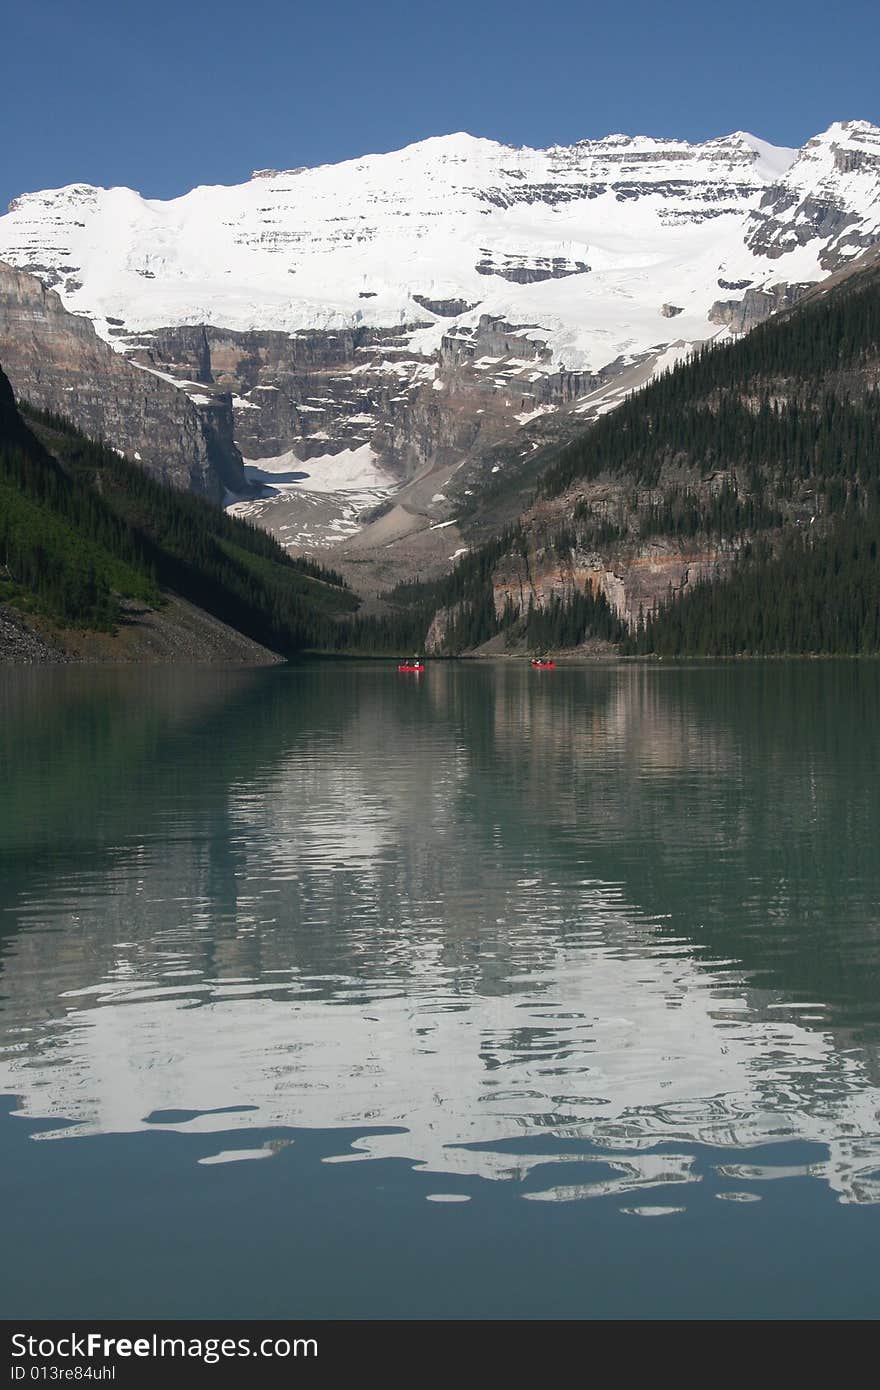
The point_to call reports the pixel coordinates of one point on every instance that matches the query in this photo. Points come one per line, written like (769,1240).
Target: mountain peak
(459,144)
(847,132)
(461,220)
(772,161)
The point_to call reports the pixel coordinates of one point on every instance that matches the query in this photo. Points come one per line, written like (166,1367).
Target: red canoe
(544,665)
(409,666)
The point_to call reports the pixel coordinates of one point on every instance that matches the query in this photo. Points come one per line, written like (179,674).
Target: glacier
(451,218)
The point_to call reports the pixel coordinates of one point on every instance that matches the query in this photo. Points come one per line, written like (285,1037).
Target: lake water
(332,992)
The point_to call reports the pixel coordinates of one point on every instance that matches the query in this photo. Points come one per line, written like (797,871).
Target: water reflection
(552,933)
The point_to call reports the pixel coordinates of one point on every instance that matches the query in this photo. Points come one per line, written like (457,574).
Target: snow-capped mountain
(416,304)
(589,241)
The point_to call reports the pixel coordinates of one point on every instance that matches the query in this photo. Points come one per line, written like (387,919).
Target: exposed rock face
(788,223)
(528,270)
(316,392)
(498,360)
(671,311)
(829,197)
(756,305)
(444,308)
(56,361)
(492,338)
(323,391)
(634,584)
(637,581)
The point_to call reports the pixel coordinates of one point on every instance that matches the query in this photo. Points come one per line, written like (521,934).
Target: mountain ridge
(413,311)
(85,241)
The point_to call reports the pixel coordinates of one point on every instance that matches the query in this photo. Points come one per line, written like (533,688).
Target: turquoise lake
(327,991)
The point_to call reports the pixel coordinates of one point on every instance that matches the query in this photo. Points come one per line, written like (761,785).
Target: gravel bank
(179,633)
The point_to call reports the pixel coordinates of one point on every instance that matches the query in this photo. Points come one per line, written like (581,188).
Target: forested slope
(82,531)
(760,456)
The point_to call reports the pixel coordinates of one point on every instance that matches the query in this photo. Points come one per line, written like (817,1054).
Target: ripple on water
(630,911)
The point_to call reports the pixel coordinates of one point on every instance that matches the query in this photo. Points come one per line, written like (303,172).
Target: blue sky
(163,96)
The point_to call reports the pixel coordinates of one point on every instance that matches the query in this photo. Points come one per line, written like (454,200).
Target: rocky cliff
(633,578)
(740,315)
(321,392)
(317,392)
(55,360)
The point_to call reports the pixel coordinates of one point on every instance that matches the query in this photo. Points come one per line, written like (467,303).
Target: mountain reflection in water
(632,909)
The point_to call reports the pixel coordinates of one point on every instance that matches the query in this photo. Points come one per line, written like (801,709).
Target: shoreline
(182,635)
(178,634)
